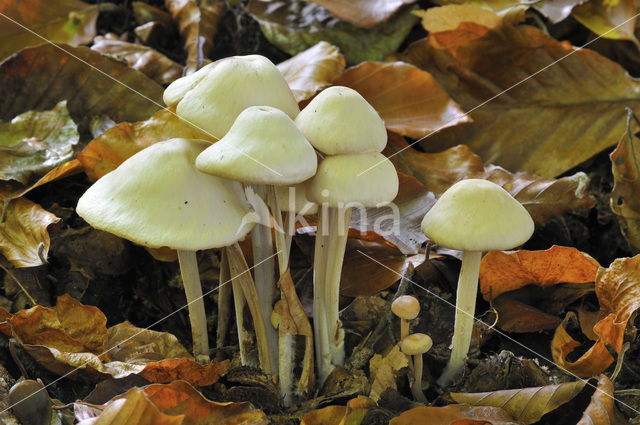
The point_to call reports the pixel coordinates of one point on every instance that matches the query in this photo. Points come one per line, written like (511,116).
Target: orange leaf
(198,375)
(363,13)
(601,410)
(312,69)
(516,316)
(351,414)
(409,100)
(502,272)
(65,170)
(459,414)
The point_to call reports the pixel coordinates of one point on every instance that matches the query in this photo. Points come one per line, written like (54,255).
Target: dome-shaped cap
(158,198)
(214,96)
(406,307)
(340,121)
(294,199)
(369,179)
(416,344)
(264,146)
(477,215)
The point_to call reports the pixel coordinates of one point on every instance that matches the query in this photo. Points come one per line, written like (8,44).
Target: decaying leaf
(169,370)
(542,122)
(386,370)
(65,170)
(295,26)
(312,69)
(65,21)
(409,100)
(351,414)
(519,317)
(198,22)
(37,78)
(625,163)
(501,272)
(363,13)
(449,17)
(557,10)
(118,143)
(24,239)
(609,18)
(602,410)
(543,198)
(34,143)
(459,414)
(525,405)
(149,61)
(128,343)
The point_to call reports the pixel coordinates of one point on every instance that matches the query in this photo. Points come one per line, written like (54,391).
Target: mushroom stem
(224,304)
(339,222)
(465,310)
(195,303)
(416,386)
(264,272)
(240,275)
(245,340)
(404,328)
(280,236)
(321,334)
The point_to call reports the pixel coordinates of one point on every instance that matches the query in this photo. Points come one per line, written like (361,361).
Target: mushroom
(158,198)
(416,345)
(406,307)
(473,215)
(339,185)
(293,202)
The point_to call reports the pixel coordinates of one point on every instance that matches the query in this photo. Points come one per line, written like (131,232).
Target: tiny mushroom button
(406,307)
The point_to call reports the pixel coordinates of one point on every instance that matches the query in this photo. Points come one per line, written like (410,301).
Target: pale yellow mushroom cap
(406,307)
(477,215)
(214,96)
(416,344)
(340,121)
(264,146)
(158,198)
(368,179)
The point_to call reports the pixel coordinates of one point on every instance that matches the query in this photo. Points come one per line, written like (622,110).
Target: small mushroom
(473,216)
(416,345)
(406,307)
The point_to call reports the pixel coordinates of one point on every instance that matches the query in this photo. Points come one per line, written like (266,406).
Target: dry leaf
(24,239)
(601,410)
(166,371)
(351,414)
(65,170)
(449,17)
(547,122)
(409,100)
(614,19)
(128,343)
(386,370)
(313,69)
(542,197)
(501,272)
(118,143)
(525,405)
(458,414)
(65,21)
(149,61)
(363,13)
(624,203)
(516,316)
(37,78)
(198,22)
(557,10)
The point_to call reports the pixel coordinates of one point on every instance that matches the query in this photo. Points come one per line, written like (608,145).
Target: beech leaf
(602,410)
(363,13)
(459,414)
(610,19)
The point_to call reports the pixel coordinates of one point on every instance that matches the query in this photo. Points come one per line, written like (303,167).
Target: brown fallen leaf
(149,61)
(501,272)
(118,143)
(37,78)
(198,23)
(351,414)
(525,405)
(65,170)
(449,17)
(519,317)
(312,70)
(602,410)
(542,122)
(544,198)
(128,343)
(609,19)
(363,13)
(458,414)
(169,370)
(24,239)
(386,370)
(409,100)
(557,11)
(625,164)
(65,21)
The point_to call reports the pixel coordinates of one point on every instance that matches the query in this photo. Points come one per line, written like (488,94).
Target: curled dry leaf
(37,78)
(34,143)
(385,371)
(501,272)
(618,291)
(351,414)
(543,198)
(624,203)
(609,19)
(128,343)
(65,170)
(118,143)
(65,21)
(519,317)
(602,410)
(198,375)
(198,23)
(409,100)
(24,239)
(149,61)
(525,405)
(557,11)
(313,69)
(542,122)
(363,13)
(294,26)
(458,414)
